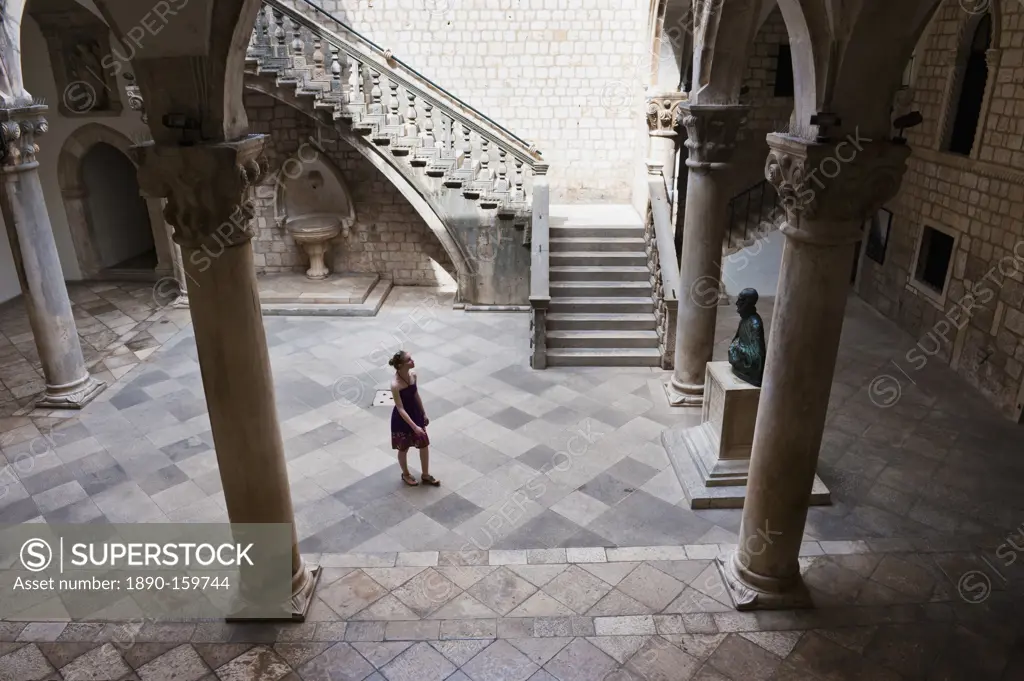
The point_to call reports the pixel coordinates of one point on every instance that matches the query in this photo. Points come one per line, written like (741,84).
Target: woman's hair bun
(396,359)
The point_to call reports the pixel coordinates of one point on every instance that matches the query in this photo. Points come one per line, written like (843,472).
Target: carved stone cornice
(828,190)
(711,132)
(19,127)
(207,187)
(663,113)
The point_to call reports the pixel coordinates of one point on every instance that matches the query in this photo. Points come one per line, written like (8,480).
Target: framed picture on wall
(877,229)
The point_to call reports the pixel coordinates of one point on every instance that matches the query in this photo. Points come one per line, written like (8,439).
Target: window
(933,258)
(970,89)
(784,72)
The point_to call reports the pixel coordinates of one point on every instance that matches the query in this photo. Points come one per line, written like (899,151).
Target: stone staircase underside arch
(423,206)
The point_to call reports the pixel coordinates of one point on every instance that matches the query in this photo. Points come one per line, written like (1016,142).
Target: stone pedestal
(711,138)
(822,225)
(68,383)
(712,460)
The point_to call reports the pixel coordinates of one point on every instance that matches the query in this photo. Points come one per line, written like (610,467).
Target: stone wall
(569,79)
(979,327)
(388,238)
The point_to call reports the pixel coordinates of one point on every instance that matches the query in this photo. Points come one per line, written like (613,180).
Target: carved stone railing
(395,105)
(481,179)
(661,260)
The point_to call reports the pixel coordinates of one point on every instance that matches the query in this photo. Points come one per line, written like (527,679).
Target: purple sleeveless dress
(402,436)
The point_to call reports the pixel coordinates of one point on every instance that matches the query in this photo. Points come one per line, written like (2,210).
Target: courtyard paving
(550,482)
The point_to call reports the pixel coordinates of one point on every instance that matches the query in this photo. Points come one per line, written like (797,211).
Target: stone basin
(312,232)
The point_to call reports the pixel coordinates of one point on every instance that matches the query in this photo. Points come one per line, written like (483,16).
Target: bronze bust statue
(747,350)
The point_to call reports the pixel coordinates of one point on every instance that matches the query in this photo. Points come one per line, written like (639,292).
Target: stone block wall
(979,328)
(389,237)
(567,76)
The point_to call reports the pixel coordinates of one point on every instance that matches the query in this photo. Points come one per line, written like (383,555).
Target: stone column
(162,241)
(828,191)
(68,383)
(711,138)
(208,202)
(662,120)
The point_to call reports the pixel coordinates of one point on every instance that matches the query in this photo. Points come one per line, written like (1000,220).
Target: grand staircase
(601,310)
(477,184)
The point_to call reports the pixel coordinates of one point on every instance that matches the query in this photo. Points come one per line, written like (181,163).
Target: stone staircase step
(598,231)
(598,258)
(608,357)
(605,273)
(601,289)
(618,244)
(602,338)
(599,305)
(597,321)
(616,214)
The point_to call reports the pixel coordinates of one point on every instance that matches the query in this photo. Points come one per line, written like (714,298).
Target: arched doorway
(121,232)
(117,232)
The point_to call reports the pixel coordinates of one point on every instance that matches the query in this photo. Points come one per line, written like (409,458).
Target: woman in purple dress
(409,420)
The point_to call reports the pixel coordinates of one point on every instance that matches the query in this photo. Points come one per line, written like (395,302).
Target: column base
(684,394)
(768,594)
(181,302)
(75,396)
(303,588)
(303,585)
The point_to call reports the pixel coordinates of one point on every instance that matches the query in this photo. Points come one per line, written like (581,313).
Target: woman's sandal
(431,480)
(409,480)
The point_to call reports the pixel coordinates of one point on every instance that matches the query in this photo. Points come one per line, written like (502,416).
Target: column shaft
(239,387)
(700,266)
(711,137)
(68,383)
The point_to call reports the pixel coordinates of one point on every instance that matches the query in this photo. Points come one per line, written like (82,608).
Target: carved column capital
(711,133)
(207,187)
(828,190)
(663,113)
(19,127)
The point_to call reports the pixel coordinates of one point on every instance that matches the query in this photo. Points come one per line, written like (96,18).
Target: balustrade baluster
(336,81)
(356,94)
(411,129)
(467,149)
(502,184)
(519,194)
(450,144)
(280,48)
(393,118)
(298,47)
(376,106)
(485,160)
(318,57)
(427,136)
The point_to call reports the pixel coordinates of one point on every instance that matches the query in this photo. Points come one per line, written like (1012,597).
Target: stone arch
(723,34)
(966,32)
(431,215)
(75,194)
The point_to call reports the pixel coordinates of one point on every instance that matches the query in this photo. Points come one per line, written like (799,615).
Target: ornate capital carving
(711,133)
(134,92)
(828,190)
(207,188)
(19,128)
(663,113)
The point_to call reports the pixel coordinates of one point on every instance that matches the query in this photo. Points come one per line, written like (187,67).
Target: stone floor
(296,287)
(119,324)
(586,614)
(926,479)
